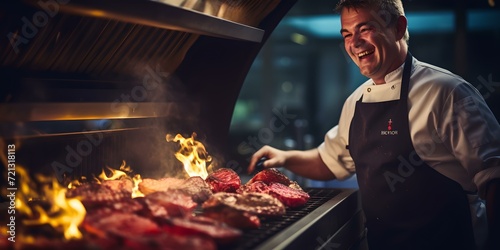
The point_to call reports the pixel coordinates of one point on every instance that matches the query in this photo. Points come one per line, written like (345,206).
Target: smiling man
(424,145)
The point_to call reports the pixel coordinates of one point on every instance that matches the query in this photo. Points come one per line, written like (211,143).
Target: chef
(421,140)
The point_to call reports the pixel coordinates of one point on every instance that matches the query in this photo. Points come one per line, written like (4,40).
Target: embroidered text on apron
(408,205)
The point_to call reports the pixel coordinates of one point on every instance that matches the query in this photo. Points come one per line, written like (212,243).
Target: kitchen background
(296,87)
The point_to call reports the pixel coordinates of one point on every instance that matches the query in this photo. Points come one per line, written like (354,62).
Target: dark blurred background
(296,87)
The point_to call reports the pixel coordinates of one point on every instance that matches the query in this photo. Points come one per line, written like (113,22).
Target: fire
(124,172)
(192,154)
(135,191)
(115,174)
(64,215)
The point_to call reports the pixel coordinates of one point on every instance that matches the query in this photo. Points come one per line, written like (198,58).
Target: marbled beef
(223,180)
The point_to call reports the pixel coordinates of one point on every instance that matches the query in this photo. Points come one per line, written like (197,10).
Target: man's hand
(275,158)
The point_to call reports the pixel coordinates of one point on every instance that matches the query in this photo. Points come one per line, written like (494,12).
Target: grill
(331,219)
(91,83)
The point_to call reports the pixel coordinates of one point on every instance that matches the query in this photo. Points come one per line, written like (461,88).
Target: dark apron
(408,205)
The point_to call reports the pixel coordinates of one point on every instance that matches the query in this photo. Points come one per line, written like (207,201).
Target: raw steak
(291,197)
(253,203)
(223,180)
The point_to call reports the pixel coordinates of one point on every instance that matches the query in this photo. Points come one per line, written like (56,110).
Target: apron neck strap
(405,81)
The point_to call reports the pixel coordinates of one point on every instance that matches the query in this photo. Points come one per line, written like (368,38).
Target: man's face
(370,42)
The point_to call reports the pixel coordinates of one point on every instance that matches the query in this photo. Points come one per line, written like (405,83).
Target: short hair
(393,7)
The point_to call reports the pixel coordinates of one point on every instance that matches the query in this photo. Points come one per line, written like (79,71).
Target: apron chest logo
(389,130)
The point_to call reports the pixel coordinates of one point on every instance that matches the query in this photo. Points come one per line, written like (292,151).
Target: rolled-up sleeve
(474,135)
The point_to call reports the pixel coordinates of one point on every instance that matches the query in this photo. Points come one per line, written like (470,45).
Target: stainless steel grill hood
(126,71)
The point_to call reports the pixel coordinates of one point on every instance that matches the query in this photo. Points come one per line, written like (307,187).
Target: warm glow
(124,172)
(192,154)
(135,191)
(62,214)
(115,173)
(76,183)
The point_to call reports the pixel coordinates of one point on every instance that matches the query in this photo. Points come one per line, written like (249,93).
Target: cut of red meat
(223,180)
(167,241)
(175,202)
(194,186)
(254,203)
(291,197)
(199,225)
(257,186)
(197,188)
(123,184)
(123,225)
(130,231)
(269,176)
(96,195)
(234,218)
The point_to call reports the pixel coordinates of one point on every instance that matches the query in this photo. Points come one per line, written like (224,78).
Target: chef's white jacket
(451,127)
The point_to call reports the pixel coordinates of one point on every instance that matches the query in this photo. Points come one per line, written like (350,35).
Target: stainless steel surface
(162,15)
(90,111)
(336,224)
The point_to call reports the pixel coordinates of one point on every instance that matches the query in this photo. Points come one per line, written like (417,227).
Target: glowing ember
(64,215)
(192,154)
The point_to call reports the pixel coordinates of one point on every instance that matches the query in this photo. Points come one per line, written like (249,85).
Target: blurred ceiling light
(298,38)
(328,26)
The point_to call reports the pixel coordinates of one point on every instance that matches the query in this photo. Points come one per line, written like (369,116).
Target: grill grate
(270,227)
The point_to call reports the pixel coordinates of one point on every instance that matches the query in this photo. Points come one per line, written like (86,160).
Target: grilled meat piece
(178,242)
(194,186)
(253,203)
(175,203)
(130,231)
(223,180)
(123,184)
(94,195)
(256,187)
(289,196)
(234,218)
(123,225)
(197,188)
(270,175)
(199,225)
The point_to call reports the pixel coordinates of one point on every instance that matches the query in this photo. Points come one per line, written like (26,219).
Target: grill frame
(331,219)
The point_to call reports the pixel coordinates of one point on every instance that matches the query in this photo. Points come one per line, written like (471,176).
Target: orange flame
(124,172)
(115,175)
(135,191)
(192,154)
(64,215)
